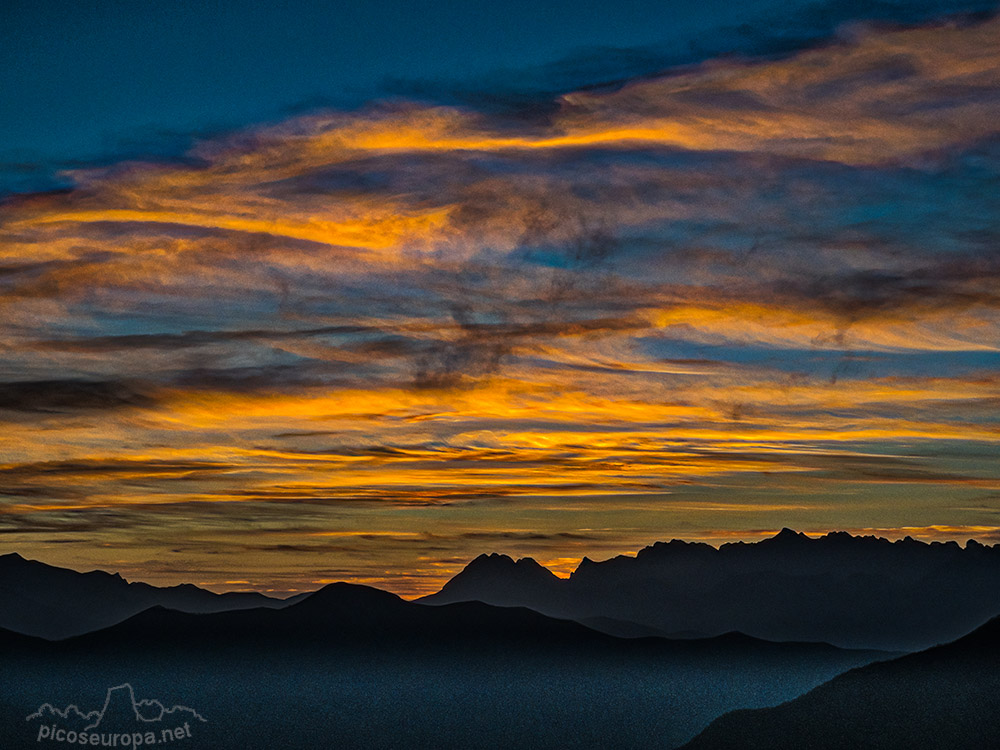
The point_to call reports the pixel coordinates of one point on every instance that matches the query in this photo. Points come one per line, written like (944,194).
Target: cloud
(71,395)
(531,93)
(654,302)
(183,340)
(873,98)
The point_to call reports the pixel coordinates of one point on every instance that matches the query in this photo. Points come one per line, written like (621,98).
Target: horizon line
(719,541)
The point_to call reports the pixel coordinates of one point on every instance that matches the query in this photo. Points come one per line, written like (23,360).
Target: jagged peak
(583,567)
(491,558)
(500,567)
(949,544)
(500,561)
(839,536)
(674,546)
(13,561)
(784,538)
(787,533)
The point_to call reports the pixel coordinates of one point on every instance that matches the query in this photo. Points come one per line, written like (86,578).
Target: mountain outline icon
(120,708)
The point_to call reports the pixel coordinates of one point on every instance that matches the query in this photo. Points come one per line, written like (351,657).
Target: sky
(358,291)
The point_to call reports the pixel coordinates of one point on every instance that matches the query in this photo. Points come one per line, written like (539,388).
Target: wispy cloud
(776,270)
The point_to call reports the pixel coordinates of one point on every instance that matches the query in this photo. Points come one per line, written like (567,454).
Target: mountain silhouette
(855,592)
(506,577)
(354,616)
(945,697)
(51,602)
(354,666)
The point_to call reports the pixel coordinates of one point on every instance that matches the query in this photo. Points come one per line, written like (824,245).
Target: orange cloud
(416,310)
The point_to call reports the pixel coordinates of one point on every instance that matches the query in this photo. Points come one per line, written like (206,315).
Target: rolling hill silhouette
(855,592)
(944,697)
(51,602)
(358,667)
(351,616)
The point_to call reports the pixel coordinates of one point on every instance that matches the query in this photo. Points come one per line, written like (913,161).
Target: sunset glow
(368,344)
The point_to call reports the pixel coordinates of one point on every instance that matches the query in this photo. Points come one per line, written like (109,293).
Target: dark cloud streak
(72,395)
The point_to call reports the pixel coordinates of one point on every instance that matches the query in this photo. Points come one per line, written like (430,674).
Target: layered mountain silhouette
(946,697)
(51,602)
(855,592)
(355,666)
(350,616)
(640,651)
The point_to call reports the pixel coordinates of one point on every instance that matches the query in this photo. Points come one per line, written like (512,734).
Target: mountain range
(851,591)
(943,698)
(354,666)
(51,602)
